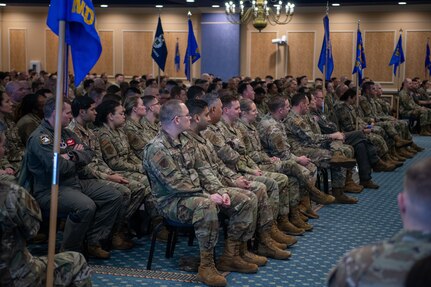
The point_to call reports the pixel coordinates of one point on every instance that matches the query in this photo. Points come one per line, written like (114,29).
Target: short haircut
(112,97)
(417,183)
(131,91)
(227,100)
(103,110)
(196,107)
(43,92)
(81,103)
(169,110)
(259,91)
(350,93)
(366,86)
(242,87)
(49,106)
(194,91)
(96,93)
(176,91)
(112,89)
(87,83)
(211,99)
(118,75)
(276,103)
(297,99)
(148,100)
(245,105)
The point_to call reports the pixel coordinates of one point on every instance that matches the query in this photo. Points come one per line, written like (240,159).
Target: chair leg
(169,243)
(153,244)
(325,180)
(174,242)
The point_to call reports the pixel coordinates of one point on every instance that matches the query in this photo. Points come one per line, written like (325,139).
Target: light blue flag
(177,57)
(360,62)
(191,52)
(81,33)
(398,55)
(325,58)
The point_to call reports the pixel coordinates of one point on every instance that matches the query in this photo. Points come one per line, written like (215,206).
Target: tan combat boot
(296,219)
(287,227)
(416,147)
(399,142)
(340,197)
(318,196)
(207,272)
(396,155)
(231,261)
(267,248)
(280,237)
(120,242)
(340,160)
(306,209)
(97,252)
(370,184)
(351,185)
(250,257)
(383,166)
(405,153)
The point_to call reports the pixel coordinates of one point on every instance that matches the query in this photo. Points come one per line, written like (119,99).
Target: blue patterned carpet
(340,228)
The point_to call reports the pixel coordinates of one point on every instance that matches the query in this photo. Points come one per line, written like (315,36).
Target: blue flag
(427,59)
(160,51)
(81,33)
(360,62)
(398,55)
(177,57)
(191,52)
(325,58)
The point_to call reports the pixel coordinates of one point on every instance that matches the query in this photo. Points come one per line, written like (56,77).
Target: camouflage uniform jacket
(299,132)
(347,117)
(14,147)
(170,166)
(26,125)
(138,137)
(383,264)
(151,130)
(230,147)
(423,95)
(326,126)
(97,168)
(225,176)
(20,217)
(407,103)
(273,137)
(252,143)
(368,108)
(116,150)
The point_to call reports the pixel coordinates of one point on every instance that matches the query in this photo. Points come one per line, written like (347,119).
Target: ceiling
(209,3)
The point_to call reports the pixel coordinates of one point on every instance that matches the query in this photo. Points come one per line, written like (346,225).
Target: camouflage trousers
(424,115)
(320,158)
(202,212)
(260,185)
(71,269)
(344,149)
(140,194)
(379,143)
(288,195)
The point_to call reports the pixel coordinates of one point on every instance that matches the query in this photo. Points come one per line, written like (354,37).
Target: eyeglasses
(179,116)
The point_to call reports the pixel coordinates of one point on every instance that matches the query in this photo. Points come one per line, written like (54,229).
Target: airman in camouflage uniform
(20,217)
(118,155)
(150,121)
(409,108)
(387,263)
(172,164)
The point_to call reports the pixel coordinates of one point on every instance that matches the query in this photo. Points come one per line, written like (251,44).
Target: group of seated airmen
(250,149)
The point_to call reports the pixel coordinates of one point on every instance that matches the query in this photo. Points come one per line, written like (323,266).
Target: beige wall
(24,34)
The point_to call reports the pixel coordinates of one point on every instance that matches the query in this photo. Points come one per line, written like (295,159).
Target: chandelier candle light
(260,12)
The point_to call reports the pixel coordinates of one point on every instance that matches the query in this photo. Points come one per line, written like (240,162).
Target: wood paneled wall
(263,54)
(137,52)
(51,53)
(171,40)
(379,46)
(17,49)
(106,60)
(300,59)
(415,53)
(342,50)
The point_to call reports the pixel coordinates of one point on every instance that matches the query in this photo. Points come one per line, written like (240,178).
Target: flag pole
(189,60)
(427,74)
(57,135)
(357,84)
(66,72)
(158,72)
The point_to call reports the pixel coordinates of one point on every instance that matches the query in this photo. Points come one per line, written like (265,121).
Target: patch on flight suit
(45,139)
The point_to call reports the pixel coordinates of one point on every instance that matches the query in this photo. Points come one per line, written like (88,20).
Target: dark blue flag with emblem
(160,52)
(360,62)
(192,51)
(398,55)
(325,59)
(427,59)
(177,57)
(81,33)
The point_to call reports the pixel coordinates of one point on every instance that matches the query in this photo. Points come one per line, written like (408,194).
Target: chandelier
(260,13)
